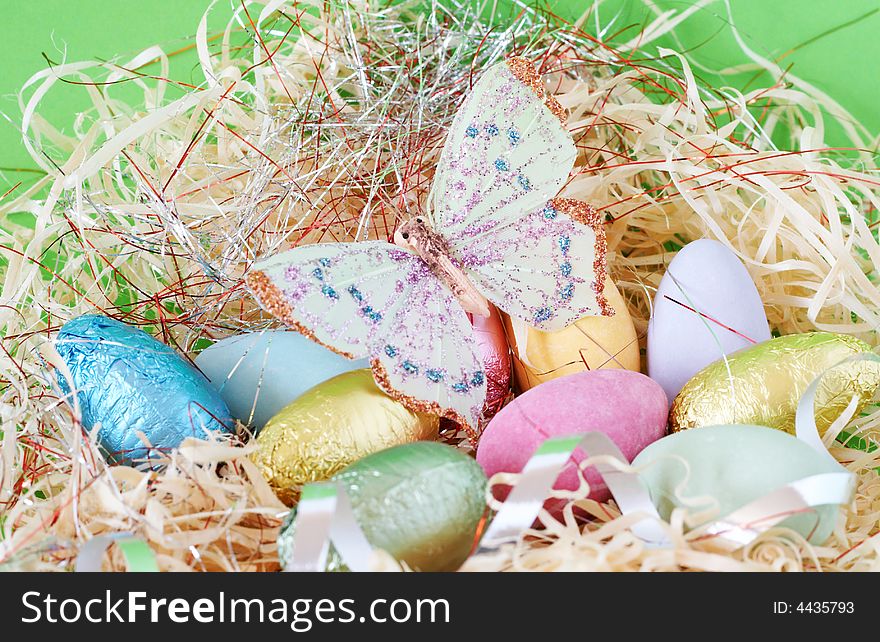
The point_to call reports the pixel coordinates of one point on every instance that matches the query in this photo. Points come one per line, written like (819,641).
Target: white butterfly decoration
(494,232)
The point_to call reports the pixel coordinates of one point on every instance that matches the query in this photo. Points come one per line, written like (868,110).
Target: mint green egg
(421,502)
(734,465)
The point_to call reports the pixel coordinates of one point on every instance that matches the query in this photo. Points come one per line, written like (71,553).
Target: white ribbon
(805,417)
(745,524)
(138,556)
(324,516)
(523,505)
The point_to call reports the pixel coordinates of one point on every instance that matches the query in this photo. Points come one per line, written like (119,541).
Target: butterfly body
(418,237)
(494,231)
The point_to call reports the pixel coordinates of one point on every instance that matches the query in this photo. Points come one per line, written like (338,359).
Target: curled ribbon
(523,505)
(805,418)
(745,524)
(139,557)
(324,514)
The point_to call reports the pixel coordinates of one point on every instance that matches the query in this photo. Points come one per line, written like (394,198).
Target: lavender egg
(706,307)
(127,381)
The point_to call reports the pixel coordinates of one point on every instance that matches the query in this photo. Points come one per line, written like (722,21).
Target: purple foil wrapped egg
(126,381)
(626,406)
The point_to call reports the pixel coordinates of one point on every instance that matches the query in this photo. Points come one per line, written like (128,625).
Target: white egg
(706,307)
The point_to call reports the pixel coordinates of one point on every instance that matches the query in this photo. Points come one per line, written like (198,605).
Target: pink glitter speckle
(399,255)
(297,292)
(291,273)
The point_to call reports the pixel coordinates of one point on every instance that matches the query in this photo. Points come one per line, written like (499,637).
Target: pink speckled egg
(627,406)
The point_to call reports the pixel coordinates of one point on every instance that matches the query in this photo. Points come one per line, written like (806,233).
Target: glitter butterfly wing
(430,360)
(373,299)
(506,157)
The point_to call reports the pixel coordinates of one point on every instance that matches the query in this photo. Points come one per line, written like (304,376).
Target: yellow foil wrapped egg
(592,343)
(762,384)
(331,426)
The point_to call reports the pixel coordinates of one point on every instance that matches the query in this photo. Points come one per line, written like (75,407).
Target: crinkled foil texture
(331,426)
(420,502)
(763,384)
(492,342)
(127,381)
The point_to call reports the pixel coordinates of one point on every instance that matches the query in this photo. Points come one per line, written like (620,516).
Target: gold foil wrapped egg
(591,343)
(331,426)
(762,384)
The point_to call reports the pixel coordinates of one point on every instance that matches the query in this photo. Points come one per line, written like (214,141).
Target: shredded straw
(316,121)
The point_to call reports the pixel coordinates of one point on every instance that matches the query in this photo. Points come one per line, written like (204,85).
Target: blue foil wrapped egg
(127,381)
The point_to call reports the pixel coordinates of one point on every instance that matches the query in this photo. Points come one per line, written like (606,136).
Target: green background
(833,45)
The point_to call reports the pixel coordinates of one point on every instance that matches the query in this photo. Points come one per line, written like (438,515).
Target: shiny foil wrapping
(762,384)
(492,342)
(420,502)
(331,426)
(127,381)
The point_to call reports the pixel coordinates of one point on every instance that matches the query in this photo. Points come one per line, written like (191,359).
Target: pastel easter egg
(627,406)
(722,468)
(763,384)
(127,381)
(259,374)
(706,307)
(331,426)
(420,502)
(591,343)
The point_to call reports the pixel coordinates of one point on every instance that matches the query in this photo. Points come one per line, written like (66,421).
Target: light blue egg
(128,381)
(258,374)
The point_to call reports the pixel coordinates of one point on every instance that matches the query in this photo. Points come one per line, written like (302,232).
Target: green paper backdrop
(833,45)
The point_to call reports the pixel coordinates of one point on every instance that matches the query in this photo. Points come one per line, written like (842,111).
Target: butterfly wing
(431,361)
(506,157)
(373,299)
(547,270)
(506,154)
(341,295)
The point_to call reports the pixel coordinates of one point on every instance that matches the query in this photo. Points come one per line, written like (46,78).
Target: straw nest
(313,122)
